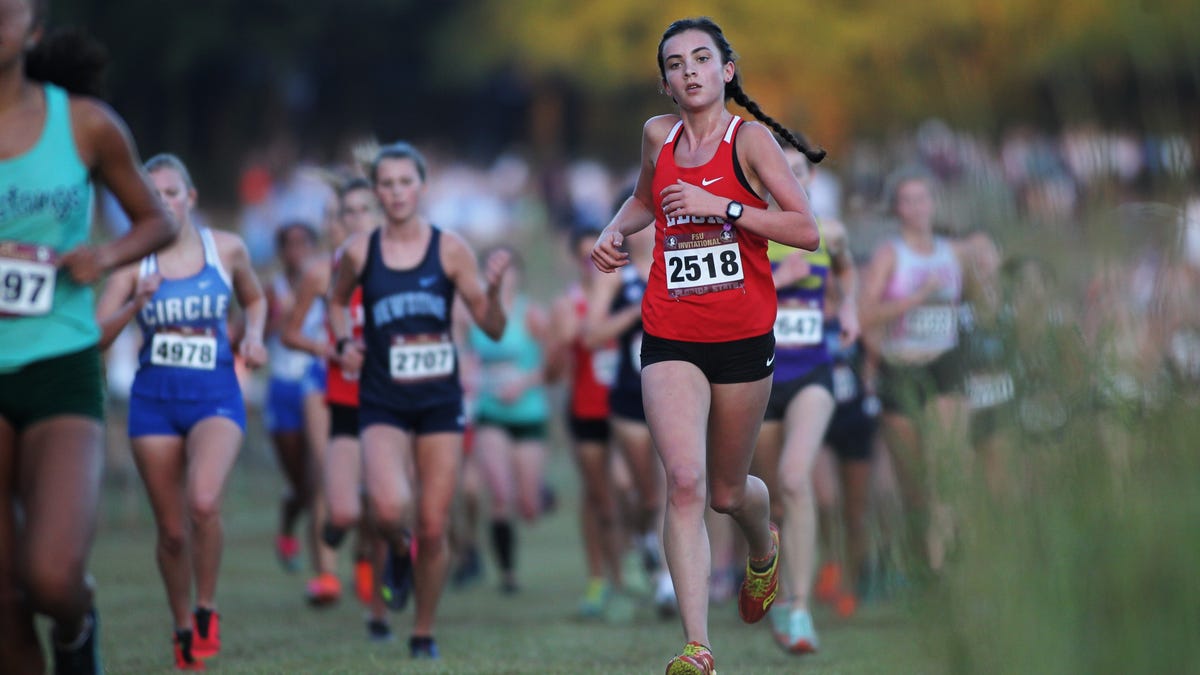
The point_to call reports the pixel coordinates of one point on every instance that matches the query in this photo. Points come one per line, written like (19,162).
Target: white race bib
(604,366)
(799,327)
(931,322)
(499,375)
(1184,351)
(845,385)
(989,390)
(415,359)
(291,364)
(702,262)
(182,350)
(27,275)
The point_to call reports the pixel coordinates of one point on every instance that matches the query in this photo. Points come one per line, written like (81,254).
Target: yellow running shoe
(757,593)
(696,659)
(594,601)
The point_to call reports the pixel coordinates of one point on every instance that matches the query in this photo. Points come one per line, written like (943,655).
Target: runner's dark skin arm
(107,149)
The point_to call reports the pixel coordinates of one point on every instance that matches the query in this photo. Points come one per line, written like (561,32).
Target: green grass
(1093,567)
(267,627)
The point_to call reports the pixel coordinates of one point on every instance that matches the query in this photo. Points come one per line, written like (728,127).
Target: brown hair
(733,88)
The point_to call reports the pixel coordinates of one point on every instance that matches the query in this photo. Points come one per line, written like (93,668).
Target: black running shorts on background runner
(782,393)
(343,421)
(589,430)
(71,384)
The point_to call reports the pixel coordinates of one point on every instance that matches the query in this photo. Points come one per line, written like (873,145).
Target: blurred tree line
(214,80)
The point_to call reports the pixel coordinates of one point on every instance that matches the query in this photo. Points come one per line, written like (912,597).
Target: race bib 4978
(182,350)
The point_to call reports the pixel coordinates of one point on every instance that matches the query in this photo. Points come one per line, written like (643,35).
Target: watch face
(734,210)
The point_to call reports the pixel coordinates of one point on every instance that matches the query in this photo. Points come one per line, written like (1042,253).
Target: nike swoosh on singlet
(709,181)
(426,282)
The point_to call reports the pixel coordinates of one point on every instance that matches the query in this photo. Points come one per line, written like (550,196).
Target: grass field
(267,627)
(1090,567)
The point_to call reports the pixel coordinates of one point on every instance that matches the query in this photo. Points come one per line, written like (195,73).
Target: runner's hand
(253,353)
(146,287)
(86,264)
(351,360)
(792,269)
(851,329)
(607,254)
(685,199)
(495,267)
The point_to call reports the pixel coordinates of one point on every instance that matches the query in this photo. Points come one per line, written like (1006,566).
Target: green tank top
(516,354)
(45,211)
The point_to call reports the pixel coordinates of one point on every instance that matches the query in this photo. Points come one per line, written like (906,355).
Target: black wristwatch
(733,211)
(340,345)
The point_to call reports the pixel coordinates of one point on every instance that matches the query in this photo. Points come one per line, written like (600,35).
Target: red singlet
(710,280)
(338,389)
(589,389)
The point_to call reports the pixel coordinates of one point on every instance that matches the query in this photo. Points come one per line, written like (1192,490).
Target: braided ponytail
(733,88)
(734,91)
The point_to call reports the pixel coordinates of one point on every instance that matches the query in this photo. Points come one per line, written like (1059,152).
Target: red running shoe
(323,590)
(364,580)
(184,658)
(696,659)
(829,583)
(206,630)
(845,605)
(287,551)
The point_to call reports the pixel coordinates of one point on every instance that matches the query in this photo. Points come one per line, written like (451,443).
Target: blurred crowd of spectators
(1027,175)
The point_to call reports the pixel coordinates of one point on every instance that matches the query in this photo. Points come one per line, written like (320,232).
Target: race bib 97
(184,350)
(27,275)
(417,358)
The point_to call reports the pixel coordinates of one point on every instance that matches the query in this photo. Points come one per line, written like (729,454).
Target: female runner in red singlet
(338,466)
(708,311)
(590,373)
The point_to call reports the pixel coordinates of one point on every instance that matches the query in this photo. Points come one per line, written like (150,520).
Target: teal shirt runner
(516,355)
(45,211)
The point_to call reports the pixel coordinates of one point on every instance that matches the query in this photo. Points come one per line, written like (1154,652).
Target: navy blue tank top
(629,343)
(411,362)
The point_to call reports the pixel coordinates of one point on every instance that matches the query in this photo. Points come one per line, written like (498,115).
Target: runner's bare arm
(483,302)
(107,148)
(123,297)
(314,283)
(638,210)
(249,296)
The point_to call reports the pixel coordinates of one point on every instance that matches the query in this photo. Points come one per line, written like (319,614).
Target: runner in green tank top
(51,403)
(511,414)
